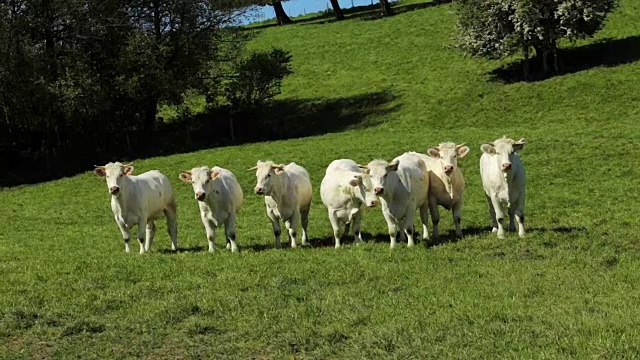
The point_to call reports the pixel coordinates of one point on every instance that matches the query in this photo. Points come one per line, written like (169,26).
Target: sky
(301,7)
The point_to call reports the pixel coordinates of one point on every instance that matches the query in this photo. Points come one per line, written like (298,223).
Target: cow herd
(410,182)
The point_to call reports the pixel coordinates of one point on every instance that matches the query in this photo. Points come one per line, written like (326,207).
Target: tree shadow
(281,119)
(606,53)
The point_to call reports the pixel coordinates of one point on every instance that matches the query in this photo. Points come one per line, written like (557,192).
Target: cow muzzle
(200,196)
(114,190)
(378,190)
(372,203)
(259,191)
(506,166)
(448,169)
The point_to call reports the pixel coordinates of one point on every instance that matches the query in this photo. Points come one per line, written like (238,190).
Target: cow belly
(345,214)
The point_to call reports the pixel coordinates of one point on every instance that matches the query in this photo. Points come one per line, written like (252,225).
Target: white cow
(139,200)
(503,180)
(402,187)
(345,190)
(446,183)
(287,195)
(219,197)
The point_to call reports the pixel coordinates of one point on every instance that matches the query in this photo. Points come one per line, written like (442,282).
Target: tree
(337,10)
(281,15)
(386,8)
(499,28)
(78,77)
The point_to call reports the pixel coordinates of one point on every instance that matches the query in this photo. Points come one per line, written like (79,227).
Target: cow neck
(279,187)
(399,187)
(448,183)
(121,200)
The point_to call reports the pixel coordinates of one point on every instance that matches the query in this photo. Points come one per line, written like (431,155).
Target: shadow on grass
(606,53)
(282,119)
(348,240)
(364,12)
(189,249)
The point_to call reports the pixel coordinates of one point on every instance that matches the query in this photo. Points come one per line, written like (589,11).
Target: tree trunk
(150,110)
(386,8)
(49,41)
(231,129)
(525,64)
(337,10)
(282,16)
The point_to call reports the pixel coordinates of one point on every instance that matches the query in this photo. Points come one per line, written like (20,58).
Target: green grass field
(570,289)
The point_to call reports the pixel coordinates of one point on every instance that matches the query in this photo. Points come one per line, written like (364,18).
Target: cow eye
(268,175)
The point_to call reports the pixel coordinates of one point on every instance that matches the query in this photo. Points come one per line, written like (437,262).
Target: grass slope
(568,290)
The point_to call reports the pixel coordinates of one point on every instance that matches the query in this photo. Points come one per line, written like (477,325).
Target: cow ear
(127,170)
(393,166)
(433,152)
(487,148)
(279,169)
(185,176)
(356,180)
(519,145)
(463,151)
(215,175)
(99,171)
(364,169)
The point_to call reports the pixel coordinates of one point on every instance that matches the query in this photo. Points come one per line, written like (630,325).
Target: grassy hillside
(569,289)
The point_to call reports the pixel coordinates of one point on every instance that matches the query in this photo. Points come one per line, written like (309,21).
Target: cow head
(448,154)
(202,179)
(115,173)
(379,171)
(504,149)
(266,171)
(364,188)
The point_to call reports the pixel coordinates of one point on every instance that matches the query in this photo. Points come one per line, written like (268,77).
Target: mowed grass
(570,289)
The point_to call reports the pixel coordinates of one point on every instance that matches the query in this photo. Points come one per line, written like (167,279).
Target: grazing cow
(402,186)
(503,180)
(219,197)
(139,200)
(345,190)
(446,183)
(287,195)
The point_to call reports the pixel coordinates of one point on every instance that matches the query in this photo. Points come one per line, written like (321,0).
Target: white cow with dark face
(402,187)
(219,198)
(446,183)
(140,200)
(503,180)
(345,190)
(287,196)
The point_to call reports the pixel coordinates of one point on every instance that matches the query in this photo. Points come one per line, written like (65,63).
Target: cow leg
(357,221)
(304,219)
(456,210)
(336,226)
(499,214)
(512,218)
(275,224)
(492,214)
(142,229)
(172,224)
(408,226)
(520,216)
(230,231)
(435,217)
(292,227)
(126,234)
(210,229)
(424,214)
(151,233)
(392,226)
